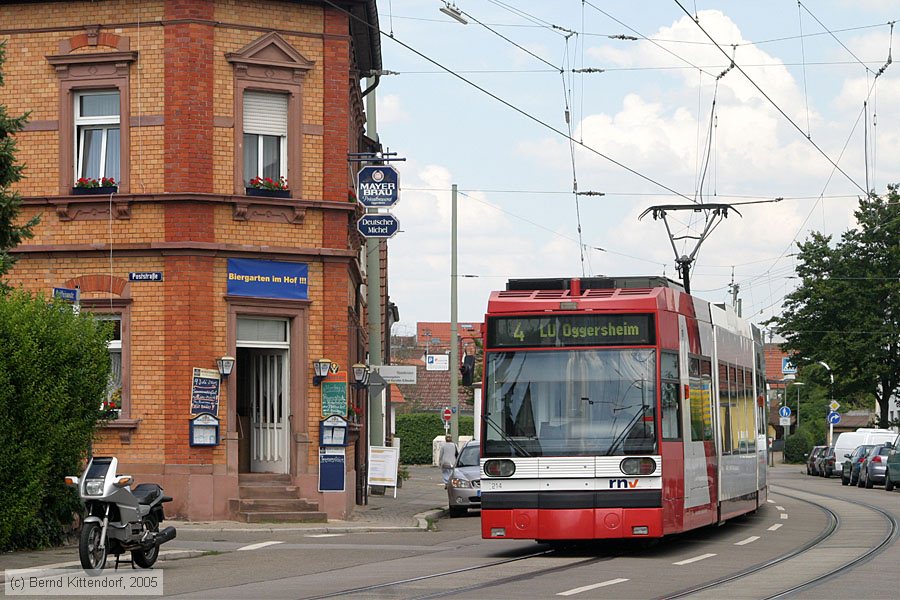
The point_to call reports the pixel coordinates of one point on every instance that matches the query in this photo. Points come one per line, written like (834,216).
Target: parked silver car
(464,489)
(873,468)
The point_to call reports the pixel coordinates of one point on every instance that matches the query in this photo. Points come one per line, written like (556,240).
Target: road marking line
(693,560)
(780,508)
(770,501)
(775,527)
(324,535)
(750,539)
(594,586)
(784,515)
(258,546)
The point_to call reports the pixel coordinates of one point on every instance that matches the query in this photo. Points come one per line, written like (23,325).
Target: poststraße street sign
(378,226)
(378,187)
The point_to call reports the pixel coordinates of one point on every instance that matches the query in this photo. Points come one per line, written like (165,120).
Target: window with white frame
(114,388)
(97,139)
(265,135)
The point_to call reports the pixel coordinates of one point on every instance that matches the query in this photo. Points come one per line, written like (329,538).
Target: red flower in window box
(105,182)
(267,183)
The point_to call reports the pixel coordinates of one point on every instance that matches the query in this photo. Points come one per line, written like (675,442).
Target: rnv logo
(623,483)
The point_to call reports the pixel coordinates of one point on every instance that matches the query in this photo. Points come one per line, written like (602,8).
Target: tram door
(263,398)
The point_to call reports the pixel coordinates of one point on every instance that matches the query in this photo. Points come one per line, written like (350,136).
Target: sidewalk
(421,499)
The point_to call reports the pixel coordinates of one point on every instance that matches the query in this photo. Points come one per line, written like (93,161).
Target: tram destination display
(555,331)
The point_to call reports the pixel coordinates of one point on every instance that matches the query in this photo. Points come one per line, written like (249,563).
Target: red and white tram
(617,408)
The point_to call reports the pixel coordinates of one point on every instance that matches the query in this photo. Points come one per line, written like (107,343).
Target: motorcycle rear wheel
(145,558)
(93,557)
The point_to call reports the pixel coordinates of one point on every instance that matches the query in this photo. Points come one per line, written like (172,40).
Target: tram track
(834,526)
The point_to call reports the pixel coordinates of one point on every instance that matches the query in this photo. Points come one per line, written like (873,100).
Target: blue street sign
(379,186)
(784,411)
(378,226)
(787,367)
(834,418)
(66,294)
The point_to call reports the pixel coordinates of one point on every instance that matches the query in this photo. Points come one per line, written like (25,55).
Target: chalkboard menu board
(334,398)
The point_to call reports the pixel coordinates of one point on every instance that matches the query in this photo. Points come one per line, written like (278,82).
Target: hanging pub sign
(205,392)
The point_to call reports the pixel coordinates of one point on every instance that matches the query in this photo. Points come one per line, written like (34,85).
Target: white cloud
(390,109)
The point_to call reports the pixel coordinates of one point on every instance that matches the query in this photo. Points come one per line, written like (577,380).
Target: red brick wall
(189,97)
(335,227)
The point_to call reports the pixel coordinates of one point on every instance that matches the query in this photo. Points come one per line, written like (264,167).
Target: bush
(54,370)
(416,432)
(802,441)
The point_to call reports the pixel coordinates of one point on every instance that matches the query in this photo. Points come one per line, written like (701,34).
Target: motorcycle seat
(146,493)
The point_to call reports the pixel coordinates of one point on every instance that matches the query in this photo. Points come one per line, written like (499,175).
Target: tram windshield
(597,402)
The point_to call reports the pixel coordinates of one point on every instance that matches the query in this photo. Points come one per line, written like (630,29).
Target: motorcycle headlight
(460,483)
(93,487)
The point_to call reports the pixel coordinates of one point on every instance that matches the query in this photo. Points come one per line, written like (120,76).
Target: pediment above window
(270,58)
(92,65)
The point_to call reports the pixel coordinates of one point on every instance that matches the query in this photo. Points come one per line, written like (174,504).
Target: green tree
(846,310)
(54,370)
(11,233)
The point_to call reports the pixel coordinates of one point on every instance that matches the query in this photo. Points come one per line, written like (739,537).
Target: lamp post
(830,398)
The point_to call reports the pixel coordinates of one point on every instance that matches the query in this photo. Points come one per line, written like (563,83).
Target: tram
(618,408)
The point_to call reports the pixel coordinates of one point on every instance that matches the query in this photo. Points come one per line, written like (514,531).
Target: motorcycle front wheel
(145,558)
(92,555)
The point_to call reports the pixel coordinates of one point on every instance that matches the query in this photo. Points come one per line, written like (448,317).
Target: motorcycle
(119,519)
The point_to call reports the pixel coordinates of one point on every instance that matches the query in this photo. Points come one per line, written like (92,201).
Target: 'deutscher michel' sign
(379,186)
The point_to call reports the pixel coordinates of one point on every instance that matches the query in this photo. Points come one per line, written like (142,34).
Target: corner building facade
(183,103)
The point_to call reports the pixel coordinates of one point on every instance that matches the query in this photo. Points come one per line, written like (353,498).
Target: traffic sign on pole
(378,226)
(379,186)
(447,414)
(784,411)
(834,405)
(834,418)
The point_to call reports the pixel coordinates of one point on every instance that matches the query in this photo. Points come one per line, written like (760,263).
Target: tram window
(670,419)
(725,399)
(694,367)
(701,410)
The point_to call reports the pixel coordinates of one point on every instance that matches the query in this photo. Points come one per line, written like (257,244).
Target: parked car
(871,471)
(864,436)
(852,462)
(828,463)
(464,489)
(892,470)
(811,460)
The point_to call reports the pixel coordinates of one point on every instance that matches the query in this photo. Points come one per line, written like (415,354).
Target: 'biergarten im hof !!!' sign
(268,279)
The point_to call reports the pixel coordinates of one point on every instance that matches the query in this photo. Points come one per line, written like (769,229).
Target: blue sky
(649,110)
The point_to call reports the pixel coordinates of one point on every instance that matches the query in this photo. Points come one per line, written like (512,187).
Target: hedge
(54,372)
(417,431)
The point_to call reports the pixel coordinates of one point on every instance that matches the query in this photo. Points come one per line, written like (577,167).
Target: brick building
(183,102)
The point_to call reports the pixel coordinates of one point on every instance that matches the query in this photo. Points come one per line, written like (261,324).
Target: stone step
(269,491)
(264,478)
(283,517)
(273,505)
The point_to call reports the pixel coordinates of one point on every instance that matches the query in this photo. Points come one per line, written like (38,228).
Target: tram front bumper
(571,524)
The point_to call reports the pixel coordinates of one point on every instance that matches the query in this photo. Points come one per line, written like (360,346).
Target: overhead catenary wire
(509,104)
(775,104)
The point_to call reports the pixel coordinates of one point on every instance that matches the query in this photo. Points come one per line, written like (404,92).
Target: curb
(421,519)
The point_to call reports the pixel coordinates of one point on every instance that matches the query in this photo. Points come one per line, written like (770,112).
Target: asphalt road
(453,561)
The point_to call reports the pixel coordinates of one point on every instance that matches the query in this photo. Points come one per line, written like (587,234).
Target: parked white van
(847,441)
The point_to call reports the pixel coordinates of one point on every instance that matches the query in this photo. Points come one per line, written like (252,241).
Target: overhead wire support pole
(454,333)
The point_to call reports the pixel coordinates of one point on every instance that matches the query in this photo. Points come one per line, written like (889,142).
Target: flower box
(95,191)
(252,191)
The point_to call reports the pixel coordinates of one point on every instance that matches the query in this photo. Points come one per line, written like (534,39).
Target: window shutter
(265,113)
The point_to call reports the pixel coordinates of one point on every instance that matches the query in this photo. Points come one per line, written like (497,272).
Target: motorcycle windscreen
(98,468)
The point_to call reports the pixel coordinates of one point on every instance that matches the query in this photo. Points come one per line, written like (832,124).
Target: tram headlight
(499,468)
(638,466)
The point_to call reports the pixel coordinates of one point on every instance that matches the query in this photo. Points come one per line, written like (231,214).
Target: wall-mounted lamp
(360,375)
(320,368)
(453,12)
(226,365)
